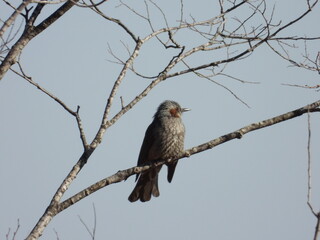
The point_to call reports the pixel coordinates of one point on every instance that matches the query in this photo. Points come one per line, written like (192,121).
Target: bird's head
(170,109)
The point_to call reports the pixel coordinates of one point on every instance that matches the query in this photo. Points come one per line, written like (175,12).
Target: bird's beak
(185,109)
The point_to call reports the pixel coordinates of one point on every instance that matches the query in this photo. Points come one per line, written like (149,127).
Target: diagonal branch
(29,79)
(59,101)
(105,123)
(124,174)
(30,32)
(54,16)
(117,21)
(81,130)
(317,228)
(13,16)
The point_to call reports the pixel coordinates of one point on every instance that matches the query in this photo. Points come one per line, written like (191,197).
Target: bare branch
(48,1)
(125,174)
(317,228)
(13,16)
(308,64)
(30,32)
(56,233)
(15,231)
(81,130)
(29,79)
(105,123)
(309,168)
(164,18)
(9,38)
(93,233)
(237,79)
(134,11)
(51,211)
(92,5)
(219,84)
(115,56)
(301,86)
(117,21)
(296,19)
(316,214)
(161,77)
(75,114)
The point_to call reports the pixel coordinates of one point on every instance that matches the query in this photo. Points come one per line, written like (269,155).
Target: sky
(252,188)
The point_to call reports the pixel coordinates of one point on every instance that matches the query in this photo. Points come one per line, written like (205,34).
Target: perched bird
(163,139)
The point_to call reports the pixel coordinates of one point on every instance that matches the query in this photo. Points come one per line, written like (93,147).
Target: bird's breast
(171,138)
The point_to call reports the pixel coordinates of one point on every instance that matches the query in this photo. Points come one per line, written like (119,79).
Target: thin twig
(15,232)
(117,21)
(29,79)
(301,86)
(217,83)
(93,232)
(237,79)
(56,233)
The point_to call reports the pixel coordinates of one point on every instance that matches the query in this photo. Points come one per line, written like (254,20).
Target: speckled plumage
(163,139)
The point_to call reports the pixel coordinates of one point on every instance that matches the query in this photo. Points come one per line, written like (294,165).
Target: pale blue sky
(253,188)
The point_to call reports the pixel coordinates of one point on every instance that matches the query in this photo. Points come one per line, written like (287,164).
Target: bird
(164,139)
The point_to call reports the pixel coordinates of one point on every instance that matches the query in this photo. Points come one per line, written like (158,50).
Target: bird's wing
(147,144)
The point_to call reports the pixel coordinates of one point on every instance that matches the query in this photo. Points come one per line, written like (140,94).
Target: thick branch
(54,16)
(29,33)
(124,174)
(51,211)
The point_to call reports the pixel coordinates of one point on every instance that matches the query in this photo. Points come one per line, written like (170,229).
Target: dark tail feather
(171,169)
(146,186)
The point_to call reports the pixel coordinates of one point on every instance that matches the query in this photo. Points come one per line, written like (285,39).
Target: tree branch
(13,16)
(316,214)
(117,21)
(105,123)
(30,32)
(317,228)
(29,79)
(124,174)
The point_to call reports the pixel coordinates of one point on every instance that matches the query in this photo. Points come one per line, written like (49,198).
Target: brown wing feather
(146,146)
(147,182)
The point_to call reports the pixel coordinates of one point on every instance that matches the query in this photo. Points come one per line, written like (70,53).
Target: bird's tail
(146,186)
(171,169)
